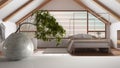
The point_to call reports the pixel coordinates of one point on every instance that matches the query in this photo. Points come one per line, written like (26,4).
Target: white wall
(62,5)
(113,32)
(10,27)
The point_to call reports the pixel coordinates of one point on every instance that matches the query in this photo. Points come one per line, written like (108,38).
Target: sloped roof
(107,10)
(113,5)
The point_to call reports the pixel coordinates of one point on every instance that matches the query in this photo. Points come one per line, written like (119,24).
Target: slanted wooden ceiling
(4,3)
(47,1)
(18,10)
(77,1)
(30,13)
(110,11)
(92,12)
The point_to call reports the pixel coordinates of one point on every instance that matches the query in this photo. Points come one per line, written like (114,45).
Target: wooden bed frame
(98,43)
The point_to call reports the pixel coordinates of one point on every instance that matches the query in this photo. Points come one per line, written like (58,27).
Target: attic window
(80,22)
(76,22)
(96,26)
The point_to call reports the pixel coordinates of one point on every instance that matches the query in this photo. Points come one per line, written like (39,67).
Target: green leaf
(47,26)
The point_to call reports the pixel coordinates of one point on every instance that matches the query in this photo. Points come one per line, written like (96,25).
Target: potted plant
(47,27)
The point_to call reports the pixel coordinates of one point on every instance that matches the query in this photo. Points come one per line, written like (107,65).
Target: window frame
(86,21)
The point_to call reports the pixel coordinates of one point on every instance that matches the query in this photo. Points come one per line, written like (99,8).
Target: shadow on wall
(10,27)
(2,34)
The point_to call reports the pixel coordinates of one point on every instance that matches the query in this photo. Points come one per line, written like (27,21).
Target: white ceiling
(60,5)
(14,4)
(112,4)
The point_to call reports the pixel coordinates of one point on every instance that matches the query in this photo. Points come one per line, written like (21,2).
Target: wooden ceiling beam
(110,11)
(4,3)
(16,11)
(92,12)
(30,13)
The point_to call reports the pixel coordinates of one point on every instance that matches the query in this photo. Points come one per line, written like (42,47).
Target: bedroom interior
(92,32)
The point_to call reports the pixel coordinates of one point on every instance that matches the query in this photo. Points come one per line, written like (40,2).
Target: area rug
(77,52)
(91,52)
(55,51)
